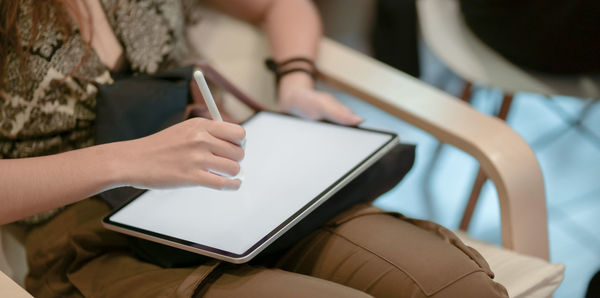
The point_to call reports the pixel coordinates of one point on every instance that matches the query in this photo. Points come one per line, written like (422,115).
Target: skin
(183,154)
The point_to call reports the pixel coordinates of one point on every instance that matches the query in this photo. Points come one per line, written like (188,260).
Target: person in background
(394,35)
(52,53)
(551,36)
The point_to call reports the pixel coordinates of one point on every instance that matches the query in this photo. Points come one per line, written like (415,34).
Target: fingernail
(232,185)
(240,175)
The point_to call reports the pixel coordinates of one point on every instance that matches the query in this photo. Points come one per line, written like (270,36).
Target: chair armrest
(237,50)
(502,153)
(9,288)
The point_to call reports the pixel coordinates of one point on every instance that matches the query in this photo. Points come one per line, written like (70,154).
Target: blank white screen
(288,163)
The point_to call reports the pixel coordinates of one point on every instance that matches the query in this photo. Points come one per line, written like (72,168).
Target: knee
(401,259)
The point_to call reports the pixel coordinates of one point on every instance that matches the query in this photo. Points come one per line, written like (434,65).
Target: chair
(445,32)
(510,162)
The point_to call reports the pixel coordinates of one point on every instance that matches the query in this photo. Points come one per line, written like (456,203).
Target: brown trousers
(363,251)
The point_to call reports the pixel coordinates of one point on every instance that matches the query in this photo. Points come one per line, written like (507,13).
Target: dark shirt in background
(554,36)
(394,35)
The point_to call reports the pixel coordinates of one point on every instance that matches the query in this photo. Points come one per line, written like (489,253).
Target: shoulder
(151,31)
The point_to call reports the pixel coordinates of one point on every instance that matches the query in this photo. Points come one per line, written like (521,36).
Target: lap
(391,256)
(252,281)
(362,248)
(74,256)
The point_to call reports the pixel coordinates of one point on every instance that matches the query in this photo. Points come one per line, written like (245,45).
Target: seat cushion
(523,276)
(13,261)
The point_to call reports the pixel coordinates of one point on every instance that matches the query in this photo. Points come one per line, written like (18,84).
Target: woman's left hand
(297,96)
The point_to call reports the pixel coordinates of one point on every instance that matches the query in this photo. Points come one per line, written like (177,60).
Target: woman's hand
(185,154)
(297,96)
(181,155)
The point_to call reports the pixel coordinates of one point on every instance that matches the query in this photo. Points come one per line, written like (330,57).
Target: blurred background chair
(447,35)
(521,264)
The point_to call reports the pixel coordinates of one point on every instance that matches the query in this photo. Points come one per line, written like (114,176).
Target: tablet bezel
(271,236)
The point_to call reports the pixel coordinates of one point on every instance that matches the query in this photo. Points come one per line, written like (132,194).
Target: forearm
(32,185)
(294,29)
(181,155)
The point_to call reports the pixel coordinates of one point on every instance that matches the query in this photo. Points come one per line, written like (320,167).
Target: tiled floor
(570,164)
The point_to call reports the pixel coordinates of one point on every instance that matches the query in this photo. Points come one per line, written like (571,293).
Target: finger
(222,165)
(336,112)
(218,182)
(305,112)
(226,149)
(227,131)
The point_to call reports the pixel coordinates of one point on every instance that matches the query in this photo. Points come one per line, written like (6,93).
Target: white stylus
(214,113)
(208,98)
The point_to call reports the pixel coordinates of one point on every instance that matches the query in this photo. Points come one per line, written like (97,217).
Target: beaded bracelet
(280,71)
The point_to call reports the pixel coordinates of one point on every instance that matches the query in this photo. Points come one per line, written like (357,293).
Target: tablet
(291,166)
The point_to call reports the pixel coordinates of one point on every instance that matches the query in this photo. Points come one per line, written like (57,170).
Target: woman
(52,52)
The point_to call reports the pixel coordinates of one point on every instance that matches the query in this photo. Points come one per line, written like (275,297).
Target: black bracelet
(279,73)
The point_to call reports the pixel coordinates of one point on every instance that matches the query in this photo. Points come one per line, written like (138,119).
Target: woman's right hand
(184,155)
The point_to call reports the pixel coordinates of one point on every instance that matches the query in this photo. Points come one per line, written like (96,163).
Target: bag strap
(216,78)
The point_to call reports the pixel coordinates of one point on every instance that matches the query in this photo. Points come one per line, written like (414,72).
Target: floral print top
(47,110)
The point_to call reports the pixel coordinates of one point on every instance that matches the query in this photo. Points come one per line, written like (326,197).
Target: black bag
(137,106)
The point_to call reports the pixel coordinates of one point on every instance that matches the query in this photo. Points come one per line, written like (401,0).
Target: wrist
(113,165)
(293,73)
(293,81)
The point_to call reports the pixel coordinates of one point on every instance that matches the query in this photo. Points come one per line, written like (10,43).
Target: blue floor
(570,163)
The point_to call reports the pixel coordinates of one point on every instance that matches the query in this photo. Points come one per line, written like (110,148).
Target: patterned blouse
(48,111)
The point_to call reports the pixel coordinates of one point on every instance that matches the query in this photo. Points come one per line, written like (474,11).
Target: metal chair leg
(481,177)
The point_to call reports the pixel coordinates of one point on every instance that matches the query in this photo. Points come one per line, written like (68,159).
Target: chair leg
(467,92)
(481,177)
(505,107)
(473,198)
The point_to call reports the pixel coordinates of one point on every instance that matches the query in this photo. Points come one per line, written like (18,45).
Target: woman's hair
(44,13)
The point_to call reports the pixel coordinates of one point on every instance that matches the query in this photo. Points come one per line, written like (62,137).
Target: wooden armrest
(9,288)
(237,50)
(502,153)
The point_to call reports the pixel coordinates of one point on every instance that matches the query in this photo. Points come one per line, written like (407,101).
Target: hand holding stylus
(195,152)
